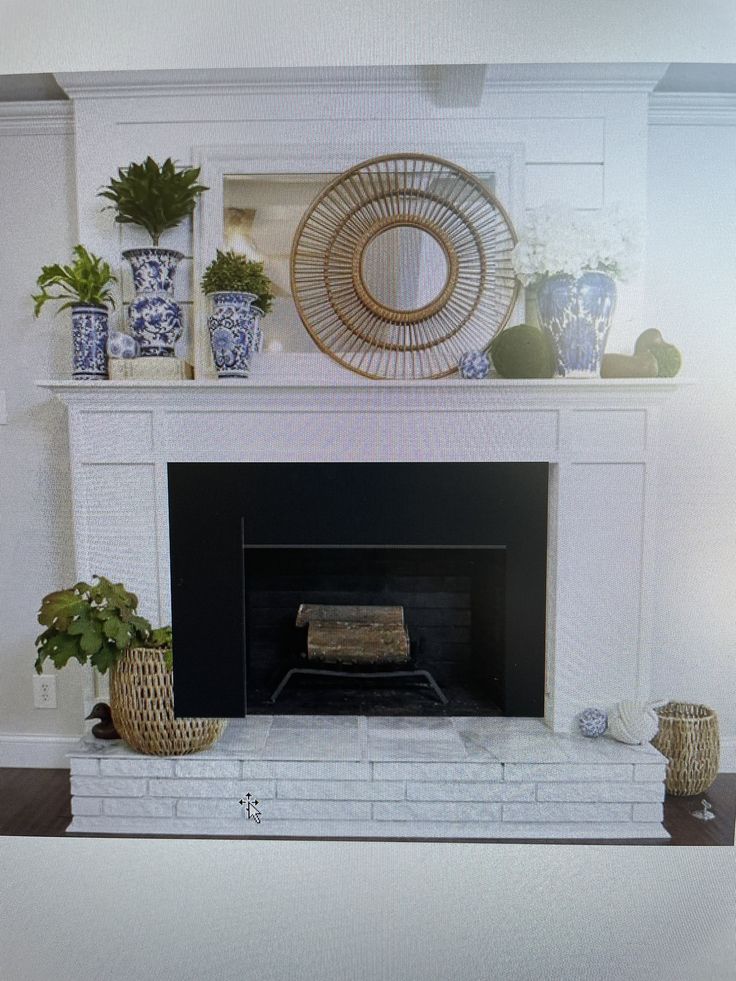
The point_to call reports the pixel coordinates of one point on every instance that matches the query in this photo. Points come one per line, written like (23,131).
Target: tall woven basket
(688,737)
(142,706)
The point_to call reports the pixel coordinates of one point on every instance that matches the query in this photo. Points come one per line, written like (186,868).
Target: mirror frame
(504,161)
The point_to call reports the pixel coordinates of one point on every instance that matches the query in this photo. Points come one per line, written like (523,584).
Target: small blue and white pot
(154,318)
(576,315)
(89,342)
(232,333)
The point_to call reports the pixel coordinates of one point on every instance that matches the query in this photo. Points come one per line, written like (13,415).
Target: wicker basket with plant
(98,624)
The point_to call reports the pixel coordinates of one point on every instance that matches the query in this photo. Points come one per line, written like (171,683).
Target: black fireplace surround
(462,547)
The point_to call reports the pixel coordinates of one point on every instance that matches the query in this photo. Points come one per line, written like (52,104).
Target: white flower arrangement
(561,241)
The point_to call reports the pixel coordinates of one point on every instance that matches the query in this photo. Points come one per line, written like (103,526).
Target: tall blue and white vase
(154,318)
(232,335)
(89,342)
(576,315)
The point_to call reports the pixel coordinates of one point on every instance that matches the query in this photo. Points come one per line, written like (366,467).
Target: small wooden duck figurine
(105,729)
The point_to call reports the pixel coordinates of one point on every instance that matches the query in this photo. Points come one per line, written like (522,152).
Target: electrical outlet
(44,691)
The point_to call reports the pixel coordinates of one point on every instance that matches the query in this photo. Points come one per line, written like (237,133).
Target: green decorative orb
(522,351)
(669,359)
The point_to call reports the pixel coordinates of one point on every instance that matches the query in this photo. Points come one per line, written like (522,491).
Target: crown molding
(692,109)
(635,77)
(429,80)
(233,82)
(36,118)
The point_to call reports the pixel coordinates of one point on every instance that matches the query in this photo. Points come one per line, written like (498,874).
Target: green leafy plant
(153,197)
(231,271)
(87,280)
(94,623)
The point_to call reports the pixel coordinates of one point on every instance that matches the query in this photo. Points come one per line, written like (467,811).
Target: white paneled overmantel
(599,437)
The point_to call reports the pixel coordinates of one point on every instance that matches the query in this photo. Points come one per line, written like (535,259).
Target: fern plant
(153,197)
(94,623)
(233,272)
(87,281)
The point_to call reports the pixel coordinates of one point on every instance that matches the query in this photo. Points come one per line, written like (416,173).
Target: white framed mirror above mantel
(284,179)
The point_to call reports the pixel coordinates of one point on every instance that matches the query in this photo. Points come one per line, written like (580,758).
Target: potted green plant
(85,287)
(235,285)
(156,198)
(98,624)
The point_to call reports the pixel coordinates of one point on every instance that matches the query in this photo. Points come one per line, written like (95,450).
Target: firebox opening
(457,552)
(451,601)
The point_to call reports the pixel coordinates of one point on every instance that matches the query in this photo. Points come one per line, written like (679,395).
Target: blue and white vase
(576,315)
(154,318)
(257,313)
(232,333)
(89,342)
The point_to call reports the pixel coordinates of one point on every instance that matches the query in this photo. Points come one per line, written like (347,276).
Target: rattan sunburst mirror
(402,264)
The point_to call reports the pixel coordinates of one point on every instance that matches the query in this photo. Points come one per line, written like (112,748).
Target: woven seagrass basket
(142,706)
(688,737)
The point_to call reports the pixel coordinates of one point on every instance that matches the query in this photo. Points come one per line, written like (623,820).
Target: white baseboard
(33,750)
(728,755)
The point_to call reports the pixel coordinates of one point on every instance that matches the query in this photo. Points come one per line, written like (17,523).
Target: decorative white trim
(240,82)
(354,80)
(33,750)
(53,118)
(575,77)
(692,109)
(3,408)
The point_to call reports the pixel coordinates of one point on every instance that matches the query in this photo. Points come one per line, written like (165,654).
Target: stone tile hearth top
(390,739)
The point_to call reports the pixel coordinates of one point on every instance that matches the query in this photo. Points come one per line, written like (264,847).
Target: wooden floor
(37,802)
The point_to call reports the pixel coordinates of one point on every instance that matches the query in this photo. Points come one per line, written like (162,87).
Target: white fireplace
(599,438)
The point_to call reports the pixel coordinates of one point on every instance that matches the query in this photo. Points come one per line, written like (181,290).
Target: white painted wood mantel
(599,437)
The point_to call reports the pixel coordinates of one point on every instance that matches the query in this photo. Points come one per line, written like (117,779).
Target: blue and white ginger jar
(576,315)
(89,342)
(154,318)
(233,335)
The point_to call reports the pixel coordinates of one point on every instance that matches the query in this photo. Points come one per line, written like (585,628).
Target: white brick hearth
(351,776)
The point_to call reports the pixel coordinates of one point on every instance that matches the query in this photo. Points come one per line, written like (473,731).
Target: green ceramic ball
(669,359)
(522,351)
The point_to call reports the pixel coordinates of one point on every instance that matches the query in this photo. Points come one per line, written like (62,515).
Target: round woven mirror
(401,265)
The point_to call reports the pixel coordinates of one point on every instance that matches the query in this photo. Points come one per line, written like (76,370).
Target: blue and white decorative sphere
(593,722)
(474,364)
(154,317)
(121,345)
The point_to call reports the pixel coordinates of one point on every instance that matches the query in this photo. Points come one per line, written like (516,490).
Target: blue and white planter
(233,335)
(154,318)
(257,313)
(576,315)
(89,342)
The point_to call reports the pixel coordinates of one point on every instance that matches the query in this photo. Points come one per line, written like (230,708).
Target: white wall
(690,298)
(37,226)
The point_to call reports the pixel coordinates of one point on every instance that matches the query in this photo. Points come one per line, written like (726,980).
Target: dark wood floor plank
(37,802)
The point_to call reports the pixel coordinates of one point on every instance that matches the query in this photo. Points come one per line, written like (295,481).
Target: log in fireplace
(460,547)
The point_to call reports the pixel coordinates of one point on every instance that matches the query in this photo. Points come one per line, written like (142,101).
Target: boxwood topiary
(522,351)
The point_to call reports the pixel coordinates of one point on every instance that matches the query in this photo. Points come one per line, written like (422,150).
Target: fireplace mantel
(599,436)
